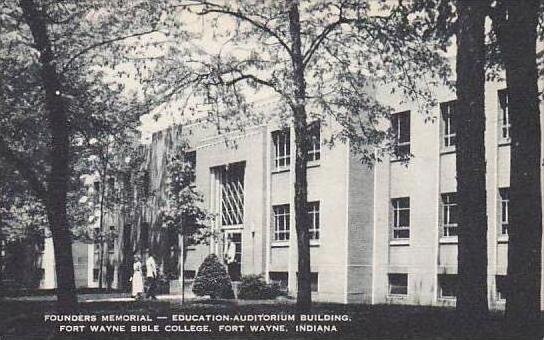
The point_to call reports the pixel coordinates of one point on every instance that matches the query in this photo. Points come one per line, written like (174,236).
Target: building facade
(380,234)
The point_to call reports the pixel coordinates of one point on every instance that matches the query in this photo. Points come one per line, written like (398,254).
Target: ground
(22,318)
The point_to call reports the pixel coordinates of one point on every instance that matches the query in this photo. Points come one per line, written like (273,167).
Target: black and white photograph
(271,169)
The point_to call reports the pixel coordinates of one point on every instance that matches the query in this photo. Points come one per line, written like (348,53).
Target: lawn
(23,319)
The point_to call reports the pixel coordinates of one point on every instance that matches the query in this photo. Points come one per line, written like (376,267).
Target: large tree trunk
(304,293)
(57,181)
(525,227)
(471,190)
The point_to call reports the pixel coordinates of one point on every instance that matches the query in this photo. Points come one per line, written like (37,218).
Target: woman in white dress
(137,278)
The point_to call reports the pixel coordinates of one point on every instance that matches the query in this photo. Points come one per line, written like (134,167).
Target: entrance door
(235,267)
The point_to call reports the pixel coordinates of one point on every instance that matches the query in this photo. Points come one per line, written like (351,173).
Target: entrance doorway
(233,246)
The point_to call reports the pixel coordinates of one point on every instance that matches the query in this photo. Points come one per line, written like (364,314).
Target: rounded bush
(254,287)
(213,280)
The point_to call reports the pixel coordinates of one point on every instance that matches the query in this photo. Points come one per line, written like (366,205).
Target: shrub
(212,279)
(254,287)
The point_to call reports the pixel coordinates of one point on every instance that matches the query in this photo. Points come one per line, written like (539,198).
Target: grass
(24,320)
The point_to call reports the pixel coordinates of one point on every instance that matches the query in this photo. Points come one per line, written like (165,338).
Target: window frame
(448,203)
(504,112)
(315,222)
(396,218)
(281,210)
(455,283)
(403,287)
(402,148)
(314,148)
(504,210)
(449,131)
(281,141)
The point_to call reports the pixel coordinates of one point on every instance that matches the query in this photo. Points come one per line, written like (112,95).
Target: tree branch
(263,27)
(24,169)
(102,43)
(321,36)
(260,81)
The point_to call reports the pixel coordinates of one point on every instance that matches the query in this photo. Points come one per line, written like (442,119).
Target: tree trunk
(58,177)
(472,303)
(304,294)
(525,227)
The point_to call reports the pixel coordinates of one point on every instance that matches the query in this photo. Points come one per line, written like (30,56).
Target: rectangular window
(314,282)
(314,149)
(190,158)
(281,222)
(504,119)
(282,149)
(189,275)
(401,129)
(232,194)
(313,212)
(279,278)
(447,111)
(504,202)
(398,284)
(449,214)
(501,286)
(96,274)
(401,218)
(448,286)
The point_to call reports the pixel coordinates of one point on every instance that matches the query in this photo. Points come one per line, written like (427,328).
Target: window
(401,218)
(279,278)
(96,274)
(398,284)
(282,149)
(449,214)
(501,286)
(447,111)
(504,119)
(314,282)
(281,222)
(189,274)
(401,129)
(314,150)
(313,212)
(190,158)
(232,194)
(504,202)
(448,286)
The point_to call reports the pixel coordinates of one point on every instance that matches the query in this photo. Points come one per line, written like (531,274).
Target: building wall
(360,188)
(428,174)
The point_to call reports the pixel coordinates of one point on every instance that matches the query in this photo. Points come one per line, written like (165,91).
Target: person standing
(151,276)
(137,278)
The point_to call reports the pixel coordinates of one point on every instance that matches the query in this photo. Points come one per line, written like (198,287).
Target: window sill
(280,170)
(280,244)
(313,164)
(315,243)
(502,239)
(405,160)
(448,240)
(504,142)
(397,296)
(447,298)
(405,242)
(445,150)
